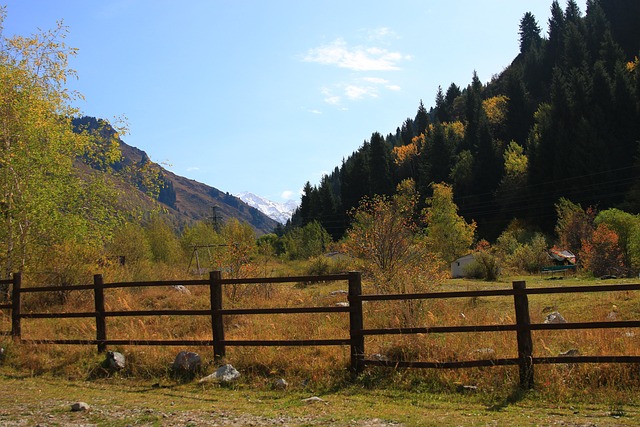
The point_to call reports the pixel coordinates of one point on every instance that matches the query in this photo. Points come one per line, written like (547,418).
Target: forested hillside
(561,121)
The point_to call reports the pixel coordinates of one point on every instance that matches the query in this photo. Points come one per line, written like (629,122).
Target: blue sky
(263,96)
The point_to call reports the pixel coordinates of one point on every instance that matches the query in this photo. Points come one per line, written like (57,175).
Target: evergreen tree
(529,32)
(450,98)
(421,121)
(555,45)
(519,114)
(380,177)
(473,112)
(435,158)
(354,178)
(623,18)
(442,115)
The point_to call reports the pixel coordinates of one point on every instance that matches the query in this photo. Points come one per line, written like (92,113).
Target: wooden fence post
(356,322)
(217,323)
(101,324)
(16,327)
(525,343)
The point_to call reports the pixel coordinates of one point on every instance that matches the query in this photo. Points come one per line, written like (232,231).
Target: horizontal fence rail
(354,336)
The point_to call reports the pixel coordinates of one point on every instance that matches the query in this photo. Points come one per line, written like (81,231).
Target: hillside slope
(188,200)
(197,201)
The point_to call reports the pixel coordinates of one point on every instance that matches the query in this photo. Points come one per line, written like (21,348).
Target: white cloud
(356,58)
(359,92)
(193,169)
(329,97)
(370,57)
(356,89)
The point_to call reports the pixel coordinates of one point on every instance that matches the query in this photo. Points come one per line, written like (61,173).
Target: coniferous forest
(561,121)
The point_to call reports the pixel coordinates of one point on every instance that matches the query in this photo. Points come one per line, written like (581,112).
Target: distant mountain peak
(278,211)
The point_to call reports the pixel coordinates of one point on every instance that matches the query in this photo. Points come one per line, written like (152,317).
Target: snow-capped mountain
(277,211)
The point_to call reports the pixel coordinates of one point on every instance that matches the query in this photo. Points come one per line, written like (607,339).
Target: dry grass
(325,367)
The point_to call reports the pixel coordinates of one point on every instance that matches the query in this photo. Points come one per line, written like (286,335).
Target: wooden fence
(354,337)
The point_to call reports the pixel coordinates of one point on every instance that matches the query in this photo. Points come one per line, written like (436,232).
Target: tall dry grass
(327,366)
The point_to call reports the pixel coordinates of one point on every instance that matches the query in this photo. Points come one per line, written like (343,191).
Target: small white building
(458,266)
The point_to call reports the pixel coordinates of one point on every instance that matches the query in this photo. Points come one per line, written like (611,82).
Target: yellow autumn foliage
(496,109)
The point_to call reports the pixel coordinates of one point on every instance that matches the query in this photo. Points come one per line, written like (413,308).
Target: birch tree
(42,199)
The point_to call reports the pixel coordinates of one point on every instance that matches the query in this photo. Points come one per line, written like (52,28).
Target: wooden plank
(199,343)
(287,343)
(284,310)
(523,335)
(101,323)
(581,289)
(57,288)
(438,295)
(586,359)
(585,325)
(292,279)
(439,329)
(217,319)
(143,313)
(501,292)
(156,284)
(58,315)
(356,323)
(16,326)
(443,365)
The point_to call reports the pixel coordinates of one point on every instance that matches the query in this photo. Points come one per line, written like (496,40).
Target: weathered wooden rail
(354,337)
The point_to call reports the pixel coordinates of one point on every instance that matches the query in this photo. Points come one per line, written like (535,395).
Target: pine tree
(453,93)
(380,177)
(442,115)
(529,33)
(421,121)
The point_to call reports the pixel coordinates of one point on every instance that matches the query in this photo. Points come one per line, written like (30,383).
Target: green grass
(120,402)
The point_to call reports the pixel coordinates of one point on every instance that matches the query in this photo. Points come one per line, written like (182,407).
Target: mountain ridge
(280,212)
(183,200)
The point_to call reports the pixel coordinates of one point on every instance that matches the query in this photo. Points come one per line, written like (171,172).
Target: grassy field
(39,382)
(44,400)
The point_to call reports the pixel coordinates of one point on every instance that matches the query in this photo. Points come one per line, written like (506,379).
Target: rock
(571,352)
(182,289)
(342,304)
(281,384)
(339,292)
(80,406)
(466,388)
(115,361)
(187,361)
(555,317)
(612,315)
(224,374)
